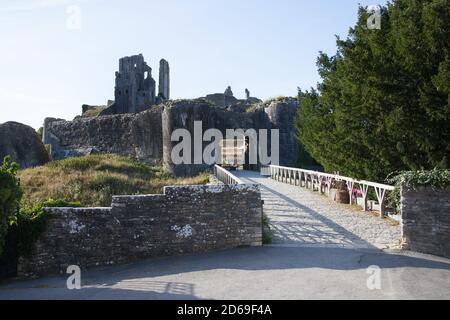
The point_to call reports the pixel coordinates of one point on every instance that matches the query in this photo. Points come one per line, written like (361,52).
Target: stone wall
(426,220)
(282,115)
(138,136)
(184,220)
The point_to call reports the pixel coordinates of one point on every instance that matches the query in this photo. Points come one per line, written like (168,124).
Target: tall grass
(93,180)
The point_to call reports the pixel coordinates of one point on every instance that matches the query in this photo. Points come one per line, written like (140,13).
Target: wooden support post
(365,191)
(321,179)
(381,195)
(350,185)
(329,181)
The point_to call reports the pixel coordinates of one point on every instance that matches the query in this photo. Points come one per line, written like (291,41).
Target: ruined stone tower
(135,88)
(164,79)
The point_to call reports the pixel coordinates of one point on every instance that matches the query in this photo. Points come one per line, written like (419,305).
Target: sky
(57,55)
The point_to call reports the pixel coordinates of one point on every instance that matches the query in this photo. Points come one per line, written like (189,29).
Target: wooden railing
(226,176)
(323,181)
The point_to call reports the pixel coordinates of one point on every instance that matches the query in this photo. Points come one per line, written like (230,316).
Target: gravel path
(300,217)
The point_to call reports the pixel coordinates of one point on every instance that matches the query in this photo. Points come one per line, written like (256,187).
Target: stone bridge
(300,217)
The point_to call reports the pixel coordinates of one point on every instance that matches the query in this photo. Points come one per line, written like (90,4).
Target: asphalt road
(256,273)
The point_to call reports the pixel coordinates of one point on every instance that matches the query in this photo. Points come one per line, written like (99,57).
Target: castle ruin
(135,89)
(139,123)
(164,79)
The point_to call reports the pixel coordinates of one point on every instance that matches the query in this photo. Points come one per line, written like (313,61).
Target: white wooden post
(321,179)
(381,195)
(329,181)
(365,191)
(350,185)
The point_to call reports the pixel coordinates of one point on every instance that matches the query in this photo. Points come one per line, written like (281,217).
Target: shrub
(436,178)
(10,196)
(40,132)
(32,221)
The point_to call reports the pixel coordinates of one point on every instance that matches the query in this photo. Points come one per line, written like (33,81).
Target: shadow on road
(137,280)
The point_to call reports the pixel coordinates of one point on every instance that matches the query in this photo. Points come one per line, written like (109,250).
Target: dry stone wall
(184,220)
(426,220)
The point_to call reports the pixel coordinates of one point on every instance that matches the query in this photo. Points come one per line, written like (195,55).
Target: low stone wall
(426,220)
(184,220)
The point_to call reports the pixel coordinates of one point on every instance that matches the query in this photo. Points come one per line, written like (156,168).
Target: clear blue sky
(268,46)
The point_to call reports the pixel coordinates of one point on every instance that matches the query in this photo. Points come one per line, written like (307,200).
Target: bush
(31,223)
(40,132)
(10,196)
(439,179)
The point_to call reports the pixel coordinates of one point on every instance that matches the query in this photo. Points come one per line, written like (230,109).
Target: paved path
(301,217)
(322,251)
(254,273)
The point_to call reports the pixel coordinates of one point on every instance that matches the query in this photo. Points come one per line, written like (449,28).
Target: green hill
(93,180)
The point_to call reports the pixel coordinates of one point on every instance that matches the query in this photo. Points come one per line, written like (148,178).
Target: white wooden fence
(323,181)
(226,176)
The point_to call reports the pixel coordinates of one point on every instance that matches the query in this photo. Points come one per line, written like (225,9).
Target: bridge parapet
(312,179)
(226,177)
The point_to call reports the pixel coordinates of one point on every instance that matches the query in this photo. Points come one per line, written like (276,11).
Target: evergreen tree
(383,104)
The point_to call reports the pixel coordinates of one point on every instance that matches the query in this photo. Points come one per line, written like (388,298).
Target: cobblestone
(301,217)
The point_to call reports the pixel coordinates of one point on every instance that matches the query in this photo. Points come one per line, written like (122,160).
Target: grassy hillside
(93,180)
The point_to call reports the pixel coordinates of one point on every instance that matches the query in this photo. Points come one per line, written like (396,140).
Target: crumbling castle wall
(147,136)
(164,79)
(138,136)
(135,88)
(282,116)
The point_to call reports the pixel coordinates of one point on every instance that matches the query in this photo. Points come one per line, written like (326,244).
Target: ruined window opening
(120,92)
(146,75)
(126,91)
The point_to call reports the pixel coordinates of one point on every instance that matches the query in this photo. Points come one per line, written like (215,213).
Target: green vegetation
(94,179)
(92,111)
(40,132)
(10,196)
(383,105)
(277,99)
(73,182)
(439,179)
(31,222)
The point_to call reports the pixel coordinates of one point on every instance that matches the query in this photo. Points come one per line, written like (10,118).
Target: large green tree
(383,103)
